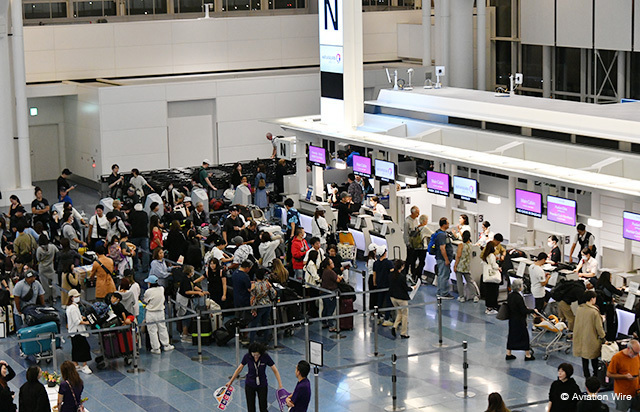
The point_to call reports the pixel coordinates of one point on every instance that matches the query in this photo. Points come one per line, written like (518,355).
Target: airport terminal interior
(419,205)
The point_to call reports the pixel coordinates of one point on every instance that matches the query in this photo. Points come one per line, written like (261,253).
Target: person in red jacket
(299,248)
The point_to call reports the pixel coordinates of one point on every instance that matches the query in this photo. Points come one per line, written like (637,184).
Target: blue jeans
(384,301)
(142,243)
(443,272)
(261,319)
(298,274)
(329,306)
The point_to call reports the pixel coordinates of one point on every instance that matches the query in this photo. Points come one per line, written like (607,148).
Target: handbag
(491,275)
(80,404)
(503,312)
(608,350)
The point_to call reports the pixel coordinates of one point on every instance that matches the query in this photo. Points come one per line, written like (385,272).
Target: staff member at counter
(554,255)
(588,266)
(345,208)
(585,239)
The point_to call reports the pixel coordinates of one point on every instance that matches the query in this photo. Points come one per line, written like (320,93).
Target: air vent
(598,142)
(505,128)
(549,135)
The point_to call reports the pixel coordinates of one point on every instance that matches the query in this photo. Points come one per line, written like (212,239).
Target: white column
(546,71)
(627,264)
(460,41)
(437,33)
(394,211)
(20,87)
(481,29)
(318,181)
(622,69)
(445,36)
(426,33)
(7,154)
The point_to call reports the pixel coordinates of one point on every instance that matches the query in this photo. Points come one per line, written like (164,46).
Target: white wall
(137,48)
(82,132)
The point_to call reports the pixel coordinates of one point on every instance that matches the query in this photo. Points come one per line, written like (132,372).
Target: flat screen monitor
(528,203)
(465,189)
(362,165)
(561,210)
(438,183)
(385,171)
(317,156)
(631,226)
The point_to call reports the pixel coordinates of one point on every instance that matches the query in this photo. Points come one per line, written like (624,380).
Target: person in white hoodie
(154,298)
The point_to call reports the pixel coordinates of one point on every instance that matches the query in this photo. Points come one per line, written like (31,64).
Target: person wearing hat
(204,176)
(319,226)
(233,225)
(76,325)
(154,298)
(242,252)
(63,185)
(28,291)
(131,198)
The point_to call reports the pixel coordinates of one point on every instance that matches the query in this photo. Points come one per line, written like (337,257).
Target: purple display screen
(561,210)
(317,156)
(362,165)
(631,226)
(438,183)
(465,189)
(529,203)
(385,171)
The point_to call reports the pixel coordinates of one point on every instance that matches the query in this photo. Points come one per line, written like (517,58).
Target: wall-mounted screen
(385,171)
(362,165)
(561,210)
(529,203)
(438,183)
(317,156)
(631,226)
(465,189)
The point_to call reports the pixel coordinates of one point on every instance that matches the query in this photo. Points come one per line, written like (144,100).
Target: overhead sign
(330,13)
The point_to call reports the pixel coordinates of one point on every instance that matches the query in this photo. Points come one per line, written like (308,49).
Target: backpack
(415,239)
(432,243)
(262,184)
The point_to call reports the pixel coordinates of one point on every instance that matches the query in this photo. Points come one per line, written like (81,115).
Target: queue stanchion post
(337,335)
(306,338)
(134,338)
(440,344)
(274,317)
(53,352)
(465,367)
(237,346)
(199,358)
(364,294)
(394,394)
(315,387)
(375,353)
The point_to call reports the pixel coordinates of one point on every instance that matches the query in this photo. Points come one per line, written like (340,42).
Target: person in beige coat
(588,333)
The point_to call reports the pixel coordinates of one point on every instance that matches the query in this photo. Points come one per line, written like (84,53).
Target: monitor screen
(438,183)
(631,226)
(317,156)
(561,210)
(362,165)
(385,171)
(465,189)
(529,203)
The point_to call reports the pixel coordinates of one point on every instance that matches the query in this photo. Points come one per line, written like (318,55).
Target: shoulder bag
(79,405)
(503,312)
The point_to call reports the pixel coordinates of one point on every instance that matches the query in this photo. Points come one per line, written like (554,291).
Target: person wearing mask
(585,239)
(299,248)
(46,255)
(593,404)
(345,208)
(560,388)
(491,278)
(6,394)
(518,337)
(496,404)
(262,293)
(138,182)
(399,294)
(33,396)
(444,256)
(539,280)
(217,282)
(588,266)
(299,400)
(607,293)
(411,222)
(115,182)
(267,247)
(154,316)
(98,227)
(102,270)
(236,175)
(319,226)
(588,333)
(381,278)
(40,209)
(486,236)
(623,369)
(330,282)
(71,387)
(555,256)
(377,207)
(233,225)
(355,190)
(69,232)
(462,267)
(139,236)
(76,324)
(176,242)
(257,361)
(461,227)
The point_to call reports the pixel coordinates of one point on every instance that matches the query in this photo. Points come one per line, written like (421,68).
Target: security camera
(519,78)
(410,70)
(440,71)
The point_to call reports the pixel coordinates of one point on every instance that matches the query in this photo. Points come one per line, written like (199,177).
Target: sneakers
(461,299)
(186,339)
(476,299)
(85,369)
(156,351)
(169,348)
(404,336)
(491,312)
(393,332)
(445,297)
(530,358)
(510,357)
(387,323)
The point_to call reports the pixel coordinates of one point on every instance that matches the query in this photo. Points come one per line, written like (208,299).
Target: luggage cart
(114,345)
(40,349)
(550,325)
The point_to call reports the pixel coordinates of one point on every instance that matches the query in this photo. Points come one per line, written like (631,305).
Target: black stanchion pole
(275,327)
(440,344)
(375,353)
(337,335)
(199,358)
(465,366)
(364,294)
(315,389)
(394,394)
(306,338)
(53,352)
(134,336)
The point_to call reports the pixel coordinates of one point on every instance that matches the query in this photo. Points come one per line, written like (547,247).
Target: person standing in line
(444,256)
(299,248)
(71,387)
(115,182)
(257,361)
(539,280)
(139,236)
(330,282)
(40,209)
(6,394)
(588,333)
(381,277)
(423,234)
(158,334)
(46,255)
(399,293)
(491,283)
(623,369)
(138,182)
(33,396)
(607,307)
(77,324)
(518,337)
(496,404)
(560,388)
(411,222)
(299,400)
(345,208)
(462,267)
(102,270)
(320,227)
(355,190)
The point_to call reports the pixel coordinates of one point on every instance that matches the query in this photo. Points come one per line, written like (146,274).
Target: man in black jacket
(565,294)
(139,236)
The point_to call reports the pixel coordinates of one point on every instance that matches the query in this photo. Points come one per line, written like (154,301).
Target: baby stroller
(347,247)
(551,325)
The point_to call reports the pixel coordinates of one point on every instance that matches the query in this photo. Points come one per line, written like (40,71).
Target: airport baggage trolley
(347,247)
(550,326)
(115,345)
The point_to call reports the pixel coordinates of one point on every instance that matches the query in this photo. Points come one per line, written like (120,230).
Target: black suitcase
(222,336)
(206,331)
(606,384)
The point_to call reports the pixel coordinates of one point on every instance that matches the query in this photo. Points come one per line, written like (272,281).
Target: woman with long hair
(71,387)
(606,304)
(280,273)
(6,394)
(236,174)
(155,233)
(329,281)
(33,396)
(217,282)
(496,404)
(462,267)
(399,294)
(14,204)
(176,243)
(159,267)
(490,267)
(76,324)
(46,255)
(66,263)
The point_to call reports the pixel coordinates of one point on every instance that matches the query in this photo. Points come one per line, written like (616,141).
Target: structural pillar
(460,70)
(20,88)
(7,154)
(481,30)
(546,71)
(621,84)
(445,38)
(426,34)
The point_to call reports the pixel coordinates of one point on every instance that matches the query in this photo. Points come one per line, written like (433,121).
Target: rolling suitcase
(39,346)
(222,336)
(206,330)
(125,342)
(606,384)
(346,306)
(111,345)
